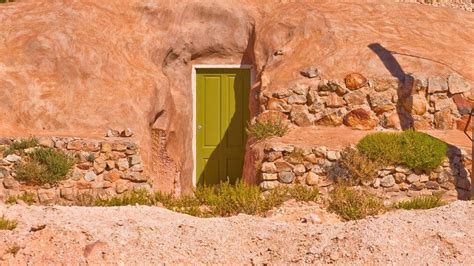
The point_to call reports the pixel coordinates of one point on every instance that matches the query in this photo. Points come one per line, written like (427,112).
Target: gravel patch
(138,234)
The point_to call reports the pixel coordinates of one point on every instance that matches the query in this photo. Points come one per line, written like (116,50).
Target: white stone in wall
(387,181)
(333,155)
(13,158)
(413,178)
(296,98)
(299,169)
(90,176)
(135,159)
(268,185)
(122,164)
(269,177)
(268,167)
(311,178)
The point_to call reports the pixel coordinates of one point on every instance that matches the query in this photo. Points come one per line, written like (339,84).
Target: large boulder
(355,81)
(361,119)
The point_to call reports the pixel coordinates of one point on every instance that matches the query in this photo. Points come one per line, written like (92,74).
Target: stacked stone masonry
(419,102)
(104,168)
(285,164)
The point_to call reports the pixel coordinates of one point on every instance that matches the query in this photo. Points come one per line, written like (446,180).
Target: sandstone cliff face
(79,67)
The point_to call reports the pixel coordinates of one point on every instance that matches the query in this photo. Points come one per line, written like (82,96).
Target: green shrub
(222,200)
(423,202)
(382,146)
(416,150)
(353,204)
(20,145)
(267,128)
(140,197)
(44,165)
(228,200)
(6,224)
(186,204)
(302,193)
(28,198)
(422,151)
(359,168)
(90,157)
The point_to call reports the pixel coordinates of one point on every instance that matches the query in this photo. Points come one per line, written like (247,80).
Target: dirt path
(124,235)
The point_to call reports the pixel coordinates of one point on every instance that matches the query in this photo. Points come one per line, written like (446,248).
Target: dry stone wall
(103,168)
(286,164)
(419,102)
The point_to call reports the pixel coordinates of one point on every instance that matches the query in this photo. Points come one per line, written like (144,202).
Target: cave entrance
(221,112)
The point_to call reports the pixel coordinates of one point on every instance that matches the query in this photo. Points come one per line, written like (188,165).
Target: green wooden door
(221,117)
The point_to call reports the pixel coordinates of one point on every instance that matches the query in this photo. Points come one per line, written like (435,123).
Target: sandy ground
(137,235)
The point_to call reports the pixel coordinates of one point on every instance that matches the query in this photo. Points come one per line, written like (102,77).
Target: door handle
(199,127)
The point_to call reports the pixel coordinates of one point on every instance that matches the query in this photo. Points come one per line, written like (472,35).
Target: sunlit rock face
(77,68)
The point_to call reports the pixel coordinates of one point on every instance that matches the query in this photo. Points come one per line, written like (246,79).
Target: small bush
(140,197)
(223,200)
(422,151)
(381,146)
(28,198)
(228,200)
(416,150)
(185,204)
(44,165)
(302,193)
(353,204)
(267,128)
(359,168)
(90,157)
(423,202)
(20,145)
(6,224)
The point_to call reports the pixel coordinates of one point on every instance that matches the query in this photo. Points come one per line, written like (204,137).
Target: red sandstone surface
(79,67)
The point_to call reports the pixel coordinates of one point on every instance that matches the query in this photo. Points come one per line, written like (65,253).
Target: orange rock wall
(77,68)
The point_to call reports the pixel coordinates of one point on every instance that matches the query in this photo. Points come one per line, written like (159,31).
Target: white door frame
(193,81)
